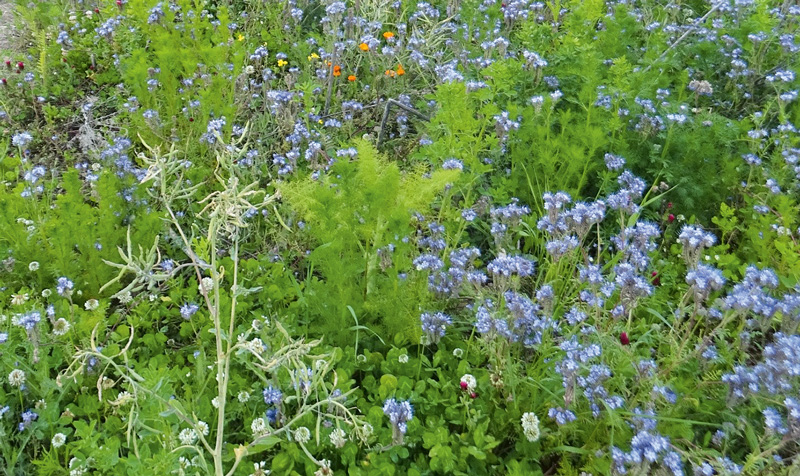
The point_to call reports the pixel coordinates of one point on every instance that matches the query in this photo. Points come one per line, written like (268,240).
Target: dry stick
(389,104)
(682,37)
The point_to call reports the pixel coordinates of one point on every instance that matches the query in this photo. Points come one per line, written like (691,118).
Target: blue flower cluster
(434,325)
(399,413)
(648,448)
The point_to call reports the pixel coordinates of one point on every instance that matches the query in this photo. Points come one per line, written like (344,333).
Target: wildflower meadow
(399,237)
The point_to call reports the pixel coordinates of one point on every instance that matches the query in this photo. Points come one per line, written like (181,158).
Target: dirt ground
(7,29)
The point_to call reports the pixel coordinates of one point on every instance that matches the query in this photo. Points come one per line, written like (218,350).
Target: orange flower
(364,47)
(351,78)
(400,70)
(388,34)
(390,73)
(337,71)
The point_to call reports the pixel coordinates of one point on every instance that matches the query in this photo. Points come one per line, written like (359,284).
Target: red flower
(669,205)
(21,65)
(656,278)
(8,63)
(671,218)
(463,385)
(473,395)
(623,338)
(4,81)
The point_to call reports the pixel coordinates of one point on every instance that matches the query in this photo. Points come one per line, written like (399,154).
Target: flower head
(61,327)
(58,440)
(16,378)
(469,383)
(399,414)
(530,426)
(302,435)
(338,438)
(64,286)
(187,436)
(272,396)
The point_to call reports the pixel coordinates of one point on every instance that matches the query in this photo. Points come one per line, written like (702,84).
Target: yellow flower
(282,63)
(313,56)
(240,37)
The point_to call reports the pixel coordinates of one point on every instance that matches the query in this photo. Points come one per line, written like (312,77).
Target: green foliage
(356,220)
(146,294)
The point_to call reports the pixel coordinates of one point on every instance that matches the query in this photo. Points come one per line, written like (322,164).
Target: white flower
(203,427)
(364,432)
(338,437)
(33,266)
(324,468)
(215,401)
(58,440)
(259,427)
(19,299)
(530,426)
(91,304)
(256,346)
(302,435)
(46,293)
(184,463)
(471,382)
(243,397)
(403,359)
(61,327)
(187,436)
(458,352)
(259,469)
(123,398)
(206,285)
(16,378)
(125,297)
